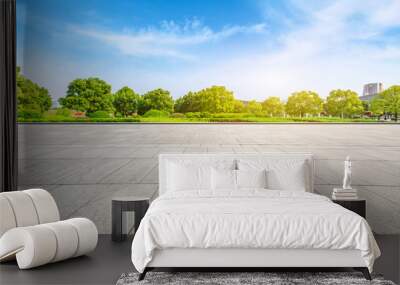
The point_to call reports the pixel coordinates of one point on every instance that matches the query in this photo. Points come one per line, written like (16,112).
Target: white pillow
(187,177)
(289,175)
(223,179)
(252,178)
(282,174)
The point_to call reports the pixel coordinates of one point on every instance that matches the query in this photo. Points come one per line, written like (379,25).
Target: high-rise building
(371,90)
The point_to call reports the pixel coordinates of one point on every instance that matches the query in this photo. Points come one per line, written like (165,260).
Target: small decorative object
(347,174)
(346,192)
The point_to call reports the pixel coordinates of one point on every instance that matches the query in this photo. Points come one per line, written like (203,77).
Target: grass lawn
(223,118)
(52,116)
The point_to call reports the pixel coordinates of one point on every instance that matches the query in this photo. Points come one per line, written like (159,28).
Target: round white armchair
(31,230)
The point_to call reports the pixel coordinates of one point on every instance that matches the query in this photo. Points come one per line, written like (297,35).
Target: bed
(247,211)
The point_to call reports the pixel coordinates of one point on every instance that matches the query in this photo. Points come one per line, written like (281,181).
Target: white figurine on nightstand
(347,174)
(346,192)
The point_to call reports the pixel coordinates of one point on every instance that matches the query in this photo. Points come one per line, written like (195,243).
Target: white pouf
(31,232)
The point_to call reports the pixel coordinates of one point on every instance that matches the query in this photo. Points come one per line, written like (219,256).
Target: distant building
(371,90)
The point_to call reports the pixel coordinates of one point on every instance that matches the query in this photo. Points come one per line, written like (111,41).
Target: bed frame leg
(364,271)
(143,274)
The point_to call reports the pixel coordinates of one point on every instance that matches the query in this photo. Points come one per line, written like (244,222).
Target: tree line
(91,95)
(33,100)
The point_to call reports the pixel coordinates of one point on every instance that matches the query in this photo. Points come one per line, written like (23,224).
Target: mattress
(250,219)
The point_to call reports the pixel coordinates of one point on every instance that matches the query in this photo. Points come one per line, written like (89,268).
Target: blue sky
(255,48)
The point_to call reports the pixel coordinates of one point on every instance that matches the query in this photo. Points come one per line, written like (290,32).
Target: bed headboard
(165,158)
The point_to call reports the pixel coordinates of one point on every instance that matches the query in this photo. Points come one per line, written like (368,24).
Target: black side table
(122,204)
(357,206)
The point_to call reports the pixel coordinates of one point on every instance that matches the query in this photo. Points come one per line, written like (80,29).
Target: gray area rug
(228,278)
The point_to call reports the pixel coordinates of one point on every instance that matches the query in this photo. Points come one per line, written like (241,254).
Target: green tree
(215,99)
(238,107)
(126,101)
(304,103)
(157,99)
(187,103)
(273,107)
(254,107)
(343,103)
(387,101)
(88,95)
(32,99)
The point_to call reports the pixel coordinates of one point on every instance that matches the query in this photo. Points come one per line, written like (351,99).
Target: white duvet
(250,219)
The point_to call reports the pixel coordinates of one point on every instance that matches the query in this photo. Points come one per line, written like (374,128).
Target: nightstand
(358,206)
(122,204)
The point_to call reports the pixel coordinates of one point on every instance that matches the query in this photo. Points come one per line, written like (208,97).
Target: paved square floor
(84,165)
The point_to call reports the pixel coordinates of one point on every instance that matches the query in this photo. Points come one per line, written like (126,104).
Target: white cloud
(342,45)
(168,40)
(386,13)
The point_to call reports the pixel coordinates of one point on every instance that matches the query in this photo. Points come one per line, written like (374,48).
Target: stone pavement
(84,165)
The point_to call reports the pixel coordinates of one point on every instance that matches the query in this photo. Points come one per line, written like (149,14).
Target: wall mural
(283,76)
